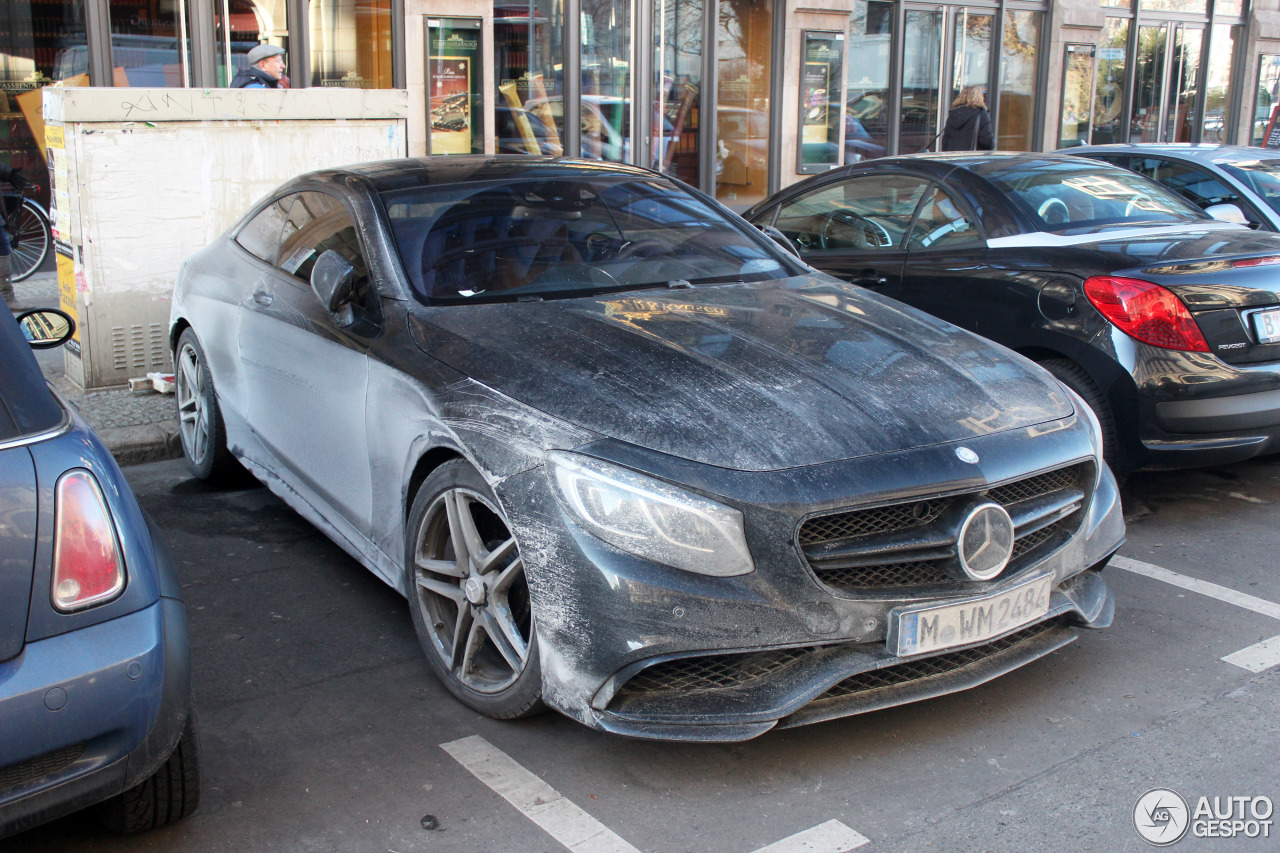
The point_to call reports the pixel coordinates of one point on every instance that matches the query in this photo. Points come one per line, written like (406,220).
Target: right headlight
(651,518)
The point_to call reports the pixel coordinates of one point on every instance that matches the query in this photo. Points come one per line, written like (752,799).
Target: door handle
(869,278)
(262,297)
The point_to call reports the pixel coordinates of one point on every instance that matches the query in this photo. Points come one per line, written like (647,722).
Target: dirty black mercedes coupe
(629,458)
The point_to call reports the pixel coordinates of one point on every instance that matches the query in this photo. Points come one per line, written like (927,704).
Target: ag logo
(1161,817)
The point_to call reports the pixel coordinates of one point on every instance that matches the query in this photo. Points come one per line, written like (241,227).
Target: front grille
(845,525)
(710,672)
(908,545)
(42,765)
(915,670)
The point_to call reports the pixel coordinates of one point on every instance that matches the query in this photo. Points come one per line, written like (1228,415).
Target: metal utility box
(142,178)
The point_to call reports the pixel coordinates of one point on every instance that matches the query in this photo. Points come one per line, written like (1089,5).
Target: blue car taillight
(88,568)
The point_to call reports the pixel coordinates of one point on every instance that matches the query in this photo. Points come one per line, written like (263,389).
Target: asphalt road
(323,729)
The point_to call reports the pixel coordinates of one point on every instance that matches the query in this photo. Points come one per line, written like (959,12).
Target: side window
(870,212)
(261,235)
(316,223)
(941,223)
(1200,187)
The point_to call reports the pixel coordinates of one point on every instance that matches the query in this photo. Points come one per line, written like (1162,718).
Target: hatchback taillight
(88,568)
(1146,311)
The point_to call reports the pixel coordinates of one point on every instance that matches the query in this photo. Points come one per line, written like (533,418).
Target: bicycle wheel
(30,241)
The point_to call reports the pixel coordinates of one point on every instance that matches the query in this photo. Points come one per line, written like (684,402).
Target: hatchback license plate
(930,629)
(1266,325)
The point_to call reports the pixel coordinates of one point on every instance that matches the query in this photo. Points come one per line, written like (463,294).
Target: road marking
(535,799)
(1258,657)
(582,833)
(1230,596)
(830,837)
(1255,658)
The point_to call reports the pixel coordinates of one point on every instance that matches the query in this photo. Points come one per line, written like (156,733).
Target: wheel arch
(432,459)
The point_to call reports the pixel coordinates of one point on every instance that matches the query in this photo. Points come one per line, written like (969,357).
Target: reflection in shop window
(1108,95)
(528,60)
(40,42)
(866,124)
(1268,95)
(677,81)
(606,80)
(744,36)
(149,43)
(1217,101)
(1018,80)
(247,24)
(351,43)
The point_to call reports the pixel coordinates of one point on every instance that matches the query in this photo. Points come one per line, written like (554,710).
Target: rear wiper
(680,284)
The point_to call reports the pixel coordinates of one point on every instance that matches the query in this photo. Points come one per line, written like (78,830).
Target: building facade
(795,86)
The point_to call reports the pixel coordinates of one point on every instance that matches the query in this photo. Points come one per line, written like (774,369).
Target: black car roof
(424,171)
(26,404)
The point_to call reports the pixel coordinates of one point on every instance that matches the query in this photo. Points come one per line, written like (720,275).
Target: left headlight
(651,518)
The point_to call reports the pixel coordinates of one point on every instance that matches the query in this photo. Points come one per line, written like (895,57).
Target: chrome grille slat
(862,549)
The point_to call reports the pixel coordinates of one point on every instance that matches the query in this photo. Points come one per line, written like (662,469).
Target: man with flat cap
(264,71)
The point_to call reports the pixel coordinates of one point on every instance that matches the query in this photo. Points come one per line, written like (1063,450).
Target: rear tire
(200,424)
(169,794)
(1074,377)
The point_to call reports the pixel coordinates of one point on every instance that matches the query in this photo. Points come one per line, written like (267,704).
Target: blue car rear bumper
(90,713)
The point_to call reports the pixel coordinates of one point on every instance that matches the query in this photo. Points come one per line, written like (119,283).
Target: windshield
(1069,197)
(562,238)
(1261,176)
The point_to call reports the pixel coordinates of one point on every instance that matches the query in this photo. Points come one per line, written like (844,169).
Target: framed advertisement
(454,106)
(821,101)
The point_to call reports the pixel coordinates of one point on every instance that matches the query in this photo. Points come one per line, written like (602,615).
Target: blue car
(95,675)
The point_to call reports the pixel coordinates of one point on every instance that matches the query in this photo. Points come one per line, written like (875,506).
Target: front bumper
(90,713)
(777,642)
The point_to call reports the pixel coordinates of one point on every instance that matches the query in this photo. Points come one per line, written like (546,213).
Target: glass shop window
(350,43)
(40,43)
(150,45)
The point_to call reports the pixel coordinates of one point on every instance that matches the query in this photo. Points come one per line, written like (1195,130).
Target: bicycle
(30,235)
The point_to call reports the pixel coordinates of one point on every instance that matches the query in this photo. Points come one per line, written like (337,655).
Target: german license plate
(929,629)
(1266,325)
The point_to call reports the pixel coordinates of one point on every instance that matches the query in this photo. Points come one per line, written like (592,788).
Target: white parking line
(830,837)
(582,833)
(1256,658)
(1230,596)
(535,799)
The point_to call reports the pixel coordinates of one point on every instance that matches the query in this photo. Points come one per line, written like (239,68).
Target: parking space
(324,731)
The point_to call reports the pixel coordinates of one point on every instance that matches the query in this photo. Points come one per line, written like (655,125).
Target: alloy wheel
(470,588)
(193,403)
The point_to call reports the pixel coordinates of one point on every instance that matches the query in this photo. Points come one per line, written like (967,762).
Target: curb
(134,445)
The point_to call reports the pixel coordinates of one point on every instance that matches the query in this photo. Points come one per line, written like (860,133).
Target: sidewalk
(136,426)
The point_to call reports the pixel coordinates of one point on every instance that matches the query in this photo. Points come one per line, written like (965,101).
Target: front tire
(469,596)
(200,424)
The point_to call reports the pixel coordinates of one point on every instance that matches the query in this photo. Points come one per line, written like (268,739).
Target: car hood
(748,376)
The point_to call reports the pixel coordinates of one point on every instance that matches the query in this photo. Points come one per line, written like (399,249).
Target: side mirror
(332,279)
(781,239)
(46,328)
(1227,213)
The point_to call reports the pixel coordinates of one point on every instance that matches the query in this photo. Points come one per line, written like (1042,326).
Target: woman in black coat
(968,125)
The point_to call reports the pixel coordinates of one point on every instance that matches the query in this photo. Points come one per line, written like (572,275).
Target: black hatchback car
(1165,320)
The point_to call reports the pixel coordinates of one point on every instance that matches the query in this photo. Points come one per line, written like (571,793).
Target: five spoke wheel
(469,595)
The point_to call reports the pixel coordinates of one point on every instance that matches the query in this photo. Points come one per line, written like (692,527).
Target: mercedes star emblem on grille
(986,541)
(966,455)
